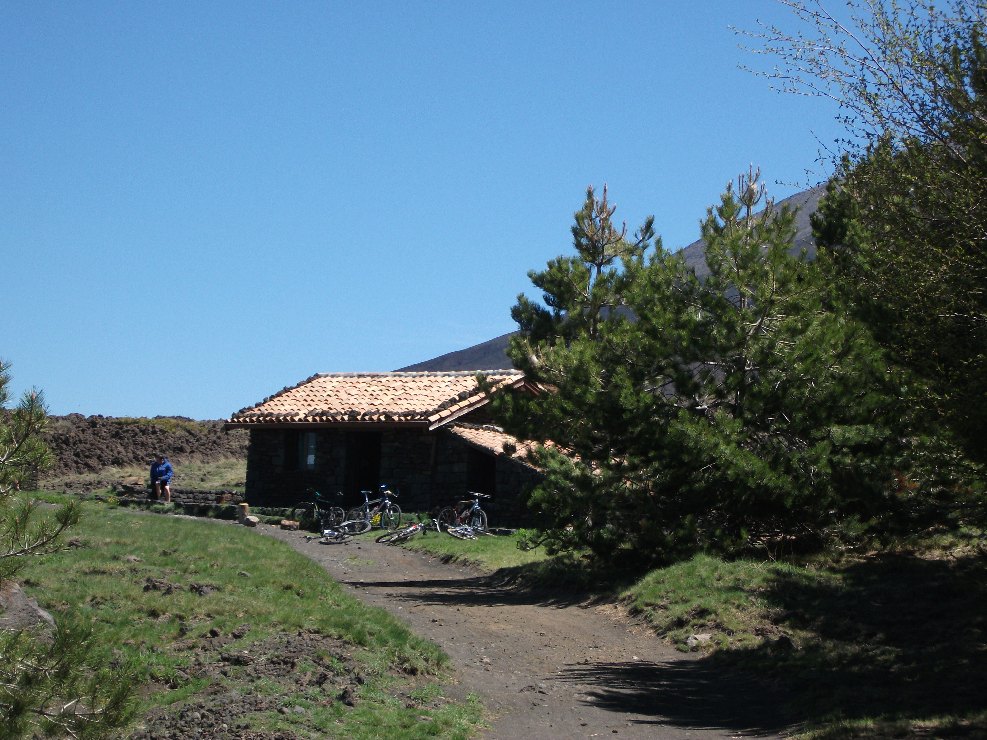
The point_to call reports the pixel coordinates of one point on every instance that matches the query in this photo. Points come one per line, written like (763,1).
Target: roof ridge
(414,373)
(434,398)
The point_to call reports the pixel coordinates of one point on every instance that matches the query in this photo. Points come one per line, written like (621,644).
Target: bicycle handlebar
(384,490)
(319,495)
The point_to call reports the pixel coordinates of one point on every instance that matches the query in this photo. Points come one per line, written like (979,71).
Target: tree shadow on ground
(480,591)
(691,694)
(561,583)
(890,638)
(571,573)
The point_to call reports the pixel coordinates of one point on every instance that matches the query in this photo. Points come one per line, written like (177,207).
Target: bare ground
(550,665)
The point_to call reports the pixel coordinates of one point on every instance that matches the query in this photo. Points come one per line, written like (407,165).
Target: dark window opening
(306,450)
(299,450)
(292,443)
(362,462)
(481,472)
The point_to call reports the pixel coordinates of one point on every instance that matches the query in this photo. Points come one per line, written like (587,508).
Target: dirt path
(547,666)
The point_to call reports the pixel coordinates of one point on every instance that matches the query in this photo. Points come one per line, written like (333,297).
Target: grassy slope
(157,587)
(871,646)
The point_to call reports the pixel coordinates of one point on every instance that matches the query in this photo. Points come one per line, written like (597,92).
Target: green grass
(489,553)
(157,588)
(215,474)
(726,600)
(887,644)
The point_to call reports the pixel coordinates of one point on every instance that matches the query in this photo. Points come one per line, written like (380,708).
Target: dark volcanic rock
(87,444)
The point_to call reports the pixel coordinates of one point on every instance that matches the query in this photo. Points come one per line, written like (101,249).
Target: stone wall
(407,466)
(205,498)
(270,483)
(513,481)
(185,496)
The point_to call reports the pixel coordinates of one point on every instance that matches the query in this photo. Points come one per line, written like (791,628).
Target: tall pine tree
(683,414)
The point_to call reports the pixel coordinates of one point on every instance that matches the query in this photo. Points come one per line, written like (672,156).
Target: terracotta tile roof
(421,398)
(493,439)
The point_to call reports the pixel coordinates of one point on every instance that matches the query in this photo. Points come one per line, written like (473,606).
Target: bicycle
(380,512)
(465,532)
(403,534)
(343,531)
(322,513)
(467,512)
(331,537)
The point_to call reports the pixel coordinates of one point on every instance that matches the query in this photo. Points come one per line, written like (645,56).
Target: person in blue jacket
(161,474)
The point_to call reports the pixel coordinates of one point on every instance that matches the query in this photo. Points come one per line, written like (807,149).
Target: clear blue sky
(204,202)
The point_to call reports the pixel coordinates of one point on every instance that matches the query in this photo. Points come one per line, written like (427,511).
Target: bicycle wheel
(390,518)
(462,533)
(335,516)
(358,513)
(390,537)
(407,533)
(446,518)
(478,520)
(355,526)
(414,530)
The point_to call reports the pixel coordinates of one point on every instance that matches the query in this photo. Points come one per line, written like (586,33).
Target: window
(308,450)
(299,450)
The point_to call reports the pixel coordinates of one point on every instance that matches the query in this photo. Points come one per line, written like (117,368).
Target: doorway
(362,462)
(481,472)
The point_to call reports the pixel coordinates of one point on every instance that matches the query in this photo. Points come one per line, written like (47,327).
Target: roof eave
(414,424)
(482,399)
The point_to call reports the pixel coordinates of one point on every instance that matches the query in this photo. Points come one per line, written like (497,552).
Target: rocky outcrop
(19,611)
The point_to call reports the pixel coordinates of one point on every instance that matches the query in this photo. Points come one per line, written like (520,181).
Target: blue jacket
(162,472)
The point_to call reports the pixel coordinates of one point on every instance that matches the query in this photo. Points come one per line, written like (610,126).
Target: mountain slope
(806,202)
(489,355)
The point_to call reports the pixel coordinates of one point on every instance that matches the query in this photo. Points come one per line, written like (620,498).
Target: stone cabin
(427,435)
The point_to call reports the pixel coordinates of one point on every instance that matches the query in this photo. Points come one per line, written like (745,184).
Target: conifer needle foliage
(51,681)
(680,414)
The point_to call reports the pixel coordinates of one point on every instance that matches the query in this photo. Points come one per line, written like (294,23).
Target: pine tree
(49,683)
(679,413)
